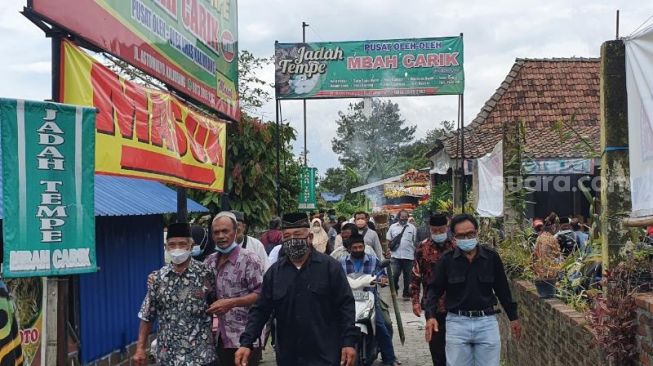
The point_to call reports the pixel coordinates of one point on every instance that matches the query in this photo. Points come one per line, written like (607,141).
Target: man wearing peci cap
(426,255)
(178,296)
(311,300)
(249,242)
(238,276)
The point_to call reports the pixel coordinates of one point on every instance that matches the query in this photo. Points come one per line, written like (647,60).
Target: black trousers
(437,343)
(405,267)
(227,356)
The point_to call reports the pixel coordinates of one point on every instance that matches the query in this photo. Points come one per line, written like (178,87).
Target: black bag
(394,243)
(567,242)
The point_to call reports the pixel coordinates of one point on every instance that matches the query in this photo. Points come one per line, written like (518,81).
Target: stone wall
(553,334)
(645,328)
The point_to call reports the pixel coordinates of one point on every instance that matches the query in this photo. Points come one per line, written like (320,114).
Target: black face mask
(358,255)
(295,248)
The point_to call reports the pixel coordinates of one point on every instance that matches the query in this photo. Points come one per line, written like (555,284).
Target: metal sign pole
(304,25)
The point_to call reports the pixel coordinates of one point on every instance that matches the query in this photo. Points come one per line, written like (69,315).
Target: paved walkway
(414,352)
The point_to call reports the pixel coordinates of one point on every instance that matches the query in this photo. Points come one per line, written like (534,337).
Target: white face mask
(179,256)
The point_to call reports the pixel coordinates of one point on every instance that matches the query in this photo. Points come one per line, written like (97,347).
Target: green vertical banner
(307,198)
(48,161)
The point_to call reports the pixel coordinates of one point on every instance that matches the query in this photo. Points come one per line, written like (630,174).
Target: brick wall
(553,334)
(645,328)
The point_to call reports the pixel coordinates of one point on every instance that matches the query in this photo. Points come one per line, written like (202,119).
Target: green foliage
(370,145)
(253,90)
(439,192)
(339,181)
(252,179)
(413,156)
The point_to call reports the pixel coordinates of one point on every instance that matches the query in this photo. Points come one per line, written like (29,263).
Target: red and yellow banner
(142,132)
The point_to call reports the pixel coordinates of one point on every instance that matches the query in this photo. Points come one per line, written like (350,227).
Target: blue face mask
(439,238)
(226,250)
(197,250)
(467,245)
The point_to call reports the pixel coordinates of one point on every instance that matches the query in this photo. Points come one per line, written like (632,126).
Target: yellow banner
(143,132)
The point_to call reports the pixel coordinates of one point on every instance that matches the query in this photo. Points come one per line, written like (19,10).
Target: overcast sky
(495,33)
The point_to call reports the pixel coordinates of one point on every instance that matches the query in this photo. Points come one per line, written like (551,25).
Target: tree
(413,156)
(369,143)
(339,181)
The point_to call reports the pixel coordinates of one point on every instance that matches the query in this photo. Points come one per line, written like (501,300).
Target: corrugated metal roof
(120,196)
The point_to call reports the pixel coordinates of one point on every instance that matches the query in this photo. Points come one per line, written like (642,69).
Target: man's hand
(139,356)
(383,281)
(417,309)
(348,356)
(221,306)
(150,279)
(515,327)
(387,254)
(242,355)
(431,326)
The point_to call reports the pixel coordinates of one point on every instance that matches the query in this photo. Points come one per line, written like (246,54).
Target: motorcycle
(363,287)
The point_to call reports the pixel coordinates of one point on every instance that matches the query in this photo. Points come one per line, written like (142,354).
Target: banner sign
(639,85)
(558,166)
(48,178)
(307,198)
(191,45)
(28,297)
(390,68)
(145,133)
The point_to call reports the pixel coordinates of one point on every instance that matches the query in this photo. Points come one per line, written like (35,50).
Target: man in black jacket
(312,303)
(472,277)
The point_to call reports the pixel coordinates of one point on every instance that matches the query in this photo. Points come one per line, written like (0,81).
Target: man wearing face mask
(238,276)
(178,297)
(473,277)
(312,303)
(248,242)
(358,261)
(201,248)
(404,254)
(361,219)
(426,255)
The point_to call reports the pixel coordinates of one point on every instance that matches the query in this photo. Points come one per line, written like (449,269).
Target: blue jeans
(383,338)
(472,341)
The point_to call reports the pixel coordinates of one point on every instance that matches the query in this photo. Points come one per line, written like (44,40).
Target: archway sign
(365,69)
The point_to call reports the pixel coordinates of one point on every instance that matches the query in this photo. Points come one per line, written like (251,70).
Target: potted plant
(547,263)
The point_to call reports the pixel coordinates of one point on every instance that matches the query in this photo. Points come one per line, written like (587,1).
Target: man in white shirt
(404,254)
(248,242)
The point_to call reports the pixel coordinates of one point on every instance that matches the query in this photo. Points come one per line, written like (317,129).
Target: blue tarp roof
(121,196)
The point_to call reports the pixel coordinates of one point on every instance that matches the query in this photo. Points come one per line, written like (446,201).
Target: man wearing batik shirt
(179,296)
(239,276)
(427,253)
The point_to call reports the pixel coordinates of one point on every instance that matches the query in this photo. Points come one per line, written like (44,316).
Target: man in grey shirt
(370,236)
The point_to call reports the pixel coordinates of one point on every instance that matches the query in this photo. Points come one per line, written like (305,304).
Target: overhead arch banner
(361,69)
(144,133)
(191,45)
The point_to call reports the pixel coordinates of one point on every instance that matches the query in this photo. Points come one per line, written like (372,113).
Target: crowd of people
(223,293)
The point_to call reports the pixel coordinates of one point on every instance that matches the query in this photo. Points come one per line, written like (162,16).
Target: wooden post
(615,168)
(513,192)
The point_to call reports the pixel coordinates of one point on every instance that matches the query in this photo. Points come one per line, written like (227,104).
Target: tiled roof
(539,92)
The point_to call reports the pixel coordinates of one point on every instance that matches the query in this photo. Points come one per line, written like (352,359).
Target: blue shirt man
(359,262)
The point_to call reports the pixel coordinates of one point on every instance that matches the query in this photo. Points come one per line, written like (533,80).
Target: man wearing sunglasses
(473,278)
